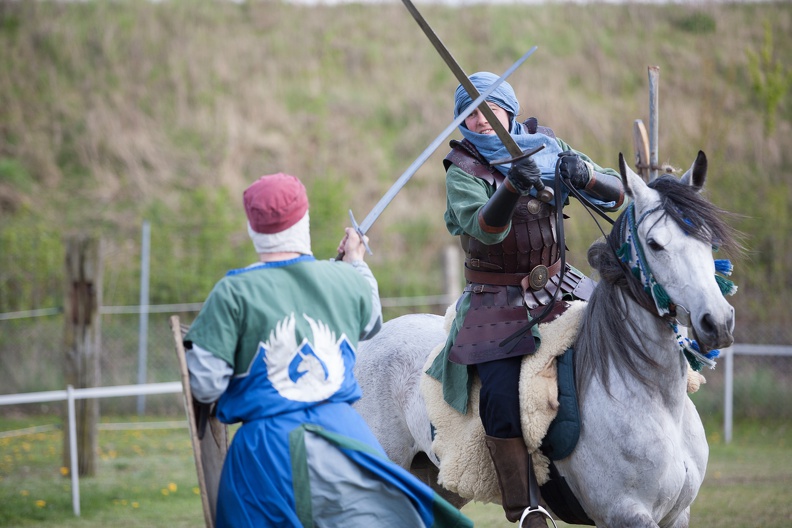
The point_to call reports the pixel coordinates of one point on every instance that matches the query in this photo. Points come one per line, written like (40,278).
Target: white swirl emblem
(306,372)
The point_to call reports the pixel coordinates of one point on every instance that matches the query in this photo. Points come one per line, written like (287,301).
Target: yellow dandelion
(112,453)
(172,487)
(124,502)
(197,490)
(41,503)
(24,493)
(135,504)
(64,470)
(165,492)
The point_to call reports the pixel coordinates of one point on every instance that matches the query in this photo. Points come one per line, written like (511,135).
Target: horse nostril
(707,326)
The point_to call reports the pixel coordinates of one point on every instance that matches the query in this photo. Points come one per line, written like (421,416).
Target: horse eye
(653,245)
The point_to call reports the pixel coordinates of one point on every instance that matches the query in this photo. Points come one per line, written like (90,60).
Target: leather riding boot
(511,460)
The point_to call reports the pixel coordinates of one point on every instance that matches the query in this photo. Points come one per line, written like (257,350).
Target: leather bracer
(606,187)
(494,217)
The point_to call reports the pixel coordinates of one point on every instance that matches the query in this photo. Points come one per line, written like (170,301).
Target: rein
(589,206)
(562,258)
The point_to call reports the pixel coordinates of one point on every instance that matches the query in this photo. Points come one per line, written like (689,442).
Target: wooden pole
(654,119)
(82,342)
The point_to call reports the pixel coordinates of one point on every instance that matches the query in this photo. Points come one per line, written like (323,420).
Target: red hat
(275,202)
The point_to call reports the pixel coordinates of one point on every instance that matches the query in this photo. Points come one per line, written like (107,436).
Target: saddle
(550,421)
(465,465)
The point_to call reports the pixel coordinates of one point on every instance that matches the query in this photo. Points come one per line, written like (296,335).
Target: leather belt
(535,279)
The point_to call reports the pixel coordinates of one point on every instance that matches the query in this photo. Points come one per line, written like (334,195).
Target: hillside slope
(115,113)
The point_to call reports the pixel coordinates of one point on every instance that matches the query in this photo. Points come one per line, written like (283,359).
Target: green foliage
(697,23)
(325,195)
(31,263)
(192,251)
(13,173)
(770,77)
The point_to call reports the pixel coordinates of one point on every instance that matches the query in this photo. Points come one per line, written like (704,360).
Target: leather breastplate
(531,241)
(509,280)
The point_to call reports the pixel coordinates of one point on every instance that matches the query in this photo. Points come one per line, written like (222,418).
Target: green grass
(146,477)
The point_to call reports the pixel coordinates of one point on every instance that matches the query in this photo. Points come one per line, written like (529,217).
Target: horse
(642,452)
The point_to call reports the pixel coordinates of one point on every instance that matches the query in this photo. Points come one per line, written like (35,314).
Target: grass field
(146,478)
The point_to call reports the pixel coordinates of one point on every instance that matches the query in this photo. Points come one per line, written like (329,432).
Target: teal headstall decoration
(632,254)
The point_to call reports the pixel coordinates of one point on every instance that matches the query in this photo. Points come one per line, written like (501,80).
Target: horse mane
(607,333)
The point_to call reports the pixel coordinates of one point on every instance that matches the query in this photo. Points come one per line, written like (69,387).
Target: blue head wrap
(503,96)
(489,145)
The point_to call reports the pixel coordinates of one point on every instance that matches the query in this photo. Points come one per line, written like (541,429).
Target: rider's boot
(511,460)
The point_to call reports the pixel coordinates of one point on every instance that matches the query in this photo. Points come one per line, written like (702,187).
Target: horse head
(672,231)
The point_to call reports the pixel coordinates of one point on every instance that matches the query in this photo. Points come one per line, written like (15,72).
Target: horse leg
(427,472)
(683,521)
(629,514)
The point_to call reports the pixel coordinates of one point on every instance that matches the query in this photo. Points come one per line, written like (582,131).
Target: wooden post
(654,119)
(82,342)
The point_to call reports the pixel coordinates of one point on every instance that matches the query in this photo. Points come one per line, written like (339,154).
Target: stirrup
(529,510)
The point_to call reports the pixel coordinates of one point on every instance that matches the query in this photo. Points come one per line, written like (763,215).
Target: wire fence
(31,360)
(32,357)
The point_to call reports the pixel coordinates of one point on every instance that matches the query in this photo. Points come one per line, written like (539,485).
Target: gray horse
(642,451)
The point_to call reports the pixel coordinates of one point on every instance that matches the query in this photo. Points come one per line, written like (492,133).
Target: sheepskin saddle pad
(465,464)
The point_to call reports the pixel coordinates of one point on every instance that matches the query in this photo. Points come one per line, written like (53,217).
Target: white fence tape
(70,395)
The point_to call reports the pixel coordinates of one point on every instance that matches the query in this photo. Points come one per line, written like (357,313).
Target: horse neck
(620,332)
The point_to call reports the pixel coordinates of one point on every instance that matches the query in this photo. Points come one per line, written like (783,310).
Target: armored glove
(575,169)
(524,174)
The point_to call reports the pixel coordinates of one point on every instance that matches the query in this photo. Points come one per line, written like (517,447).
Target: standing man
(274,346)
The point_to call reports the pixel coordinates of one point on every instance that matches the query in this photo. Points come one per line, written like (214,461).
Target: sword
(543,193)
(375,213)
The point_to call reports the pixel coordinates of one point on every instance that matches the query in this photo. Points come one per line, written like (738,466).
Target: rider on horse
(513,267)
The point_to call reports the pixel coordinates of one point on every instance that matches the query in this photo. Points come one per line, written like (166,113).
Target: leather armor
(508,280)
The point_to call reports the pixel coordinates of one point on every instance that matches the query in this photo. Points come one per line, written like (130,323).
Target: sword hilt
(360,232)
(543,192)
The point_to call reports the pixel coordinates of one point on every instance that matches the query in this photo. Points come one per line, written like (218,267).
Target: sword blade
(463,79)
(375,213)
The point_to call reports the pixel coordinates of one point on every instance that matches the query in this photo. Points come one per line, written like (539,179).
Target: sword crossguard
(359,232)
(544,193)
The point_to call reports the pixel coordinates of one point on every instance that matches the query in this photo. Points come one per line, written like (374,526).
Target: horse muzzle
(715,332)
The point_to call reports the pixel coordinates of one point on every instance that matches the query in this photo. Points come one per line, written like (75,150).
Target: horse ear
(633,184)
(696,175)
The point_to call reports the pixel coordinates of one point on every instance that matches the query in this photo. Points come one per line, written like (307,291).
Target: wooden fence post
(82,342)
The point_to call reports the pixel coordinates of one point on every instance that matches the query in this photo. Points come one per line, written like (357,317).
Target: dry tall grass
(109,108)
